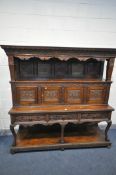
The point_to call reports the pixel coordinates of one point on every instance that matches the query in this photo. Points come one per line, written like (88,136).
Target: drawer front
(64,117)
(73,95)
(28,118)
(94,116)
(51,95)
(44,117)
(96,94)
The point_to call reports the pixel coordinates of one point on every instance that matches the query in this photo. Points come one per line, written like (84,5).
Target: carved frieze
(94,115)
(28,118)
(61,117)
(44,117)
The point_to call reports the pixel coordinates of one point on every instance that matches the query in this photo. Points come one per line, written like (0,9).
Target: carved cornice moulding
(61,53)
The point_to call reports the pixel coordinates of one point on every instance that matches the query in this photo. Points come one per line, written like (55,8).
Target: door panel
(51,95)
(26,95)
(73,95)
(96,94)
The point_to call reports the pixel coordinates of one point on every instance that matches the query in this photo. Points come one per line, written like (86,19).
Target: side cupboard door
(96,94)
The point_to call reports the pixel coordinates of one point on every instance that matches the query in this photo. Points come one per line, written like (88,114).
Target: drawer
(28,118)
(94,115)
(44,117)
(64,117)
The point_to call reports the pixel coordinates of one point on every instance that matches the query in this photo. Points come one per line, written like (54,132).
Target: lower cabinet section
(59,130)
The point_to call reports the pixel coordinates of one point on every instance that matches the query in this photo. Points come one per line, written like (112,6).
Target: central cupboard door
(73,95)
(51,95)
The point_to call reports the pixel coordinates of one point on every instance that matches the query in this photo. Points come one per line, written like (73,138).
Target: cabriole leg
(13,133)
(109,123)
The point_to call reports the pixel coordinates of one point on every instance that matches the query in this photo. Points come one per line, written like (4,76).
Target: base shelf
(39,137)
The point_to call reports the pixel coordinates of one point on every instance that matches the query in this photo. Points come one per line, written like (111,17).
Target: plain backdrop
(78,23)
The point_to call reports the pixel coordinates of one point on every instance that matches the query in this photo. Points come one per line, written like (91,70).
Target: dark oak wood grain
(59,96)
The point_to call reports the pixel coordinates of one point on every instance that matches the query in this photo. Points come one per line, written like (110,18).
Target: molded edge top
(62,53)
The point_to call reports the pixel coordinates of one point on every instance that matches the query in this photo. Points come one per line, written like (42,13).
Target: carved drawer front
(94,115)
(44,117)
(96,95)
(51,95)
(73,95)
(64,117)
(26,95)
(28,118)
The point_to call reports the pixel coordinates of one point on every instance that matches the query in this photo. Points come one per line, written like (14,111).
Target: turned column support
(109,69)
(62,132)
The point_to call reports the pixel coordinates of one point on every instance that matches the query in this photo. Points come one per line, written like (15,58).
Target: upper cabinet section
(46,63)
(36,69)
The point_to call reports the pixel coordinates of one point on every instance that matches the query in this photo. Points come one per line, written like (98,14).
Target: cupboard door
(26,95)
(96,94)
(73,95)
(51,95)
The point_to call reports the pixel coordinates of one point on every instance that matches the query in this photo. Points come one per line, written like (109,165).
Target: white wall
(78,23)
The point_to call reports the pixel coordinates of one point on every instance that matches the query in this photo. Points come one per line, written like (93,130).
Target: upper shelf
(36,69)
(62,53)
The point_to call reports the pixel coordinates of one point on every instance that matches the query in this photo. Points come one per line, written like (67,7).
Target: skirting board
(6,132)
